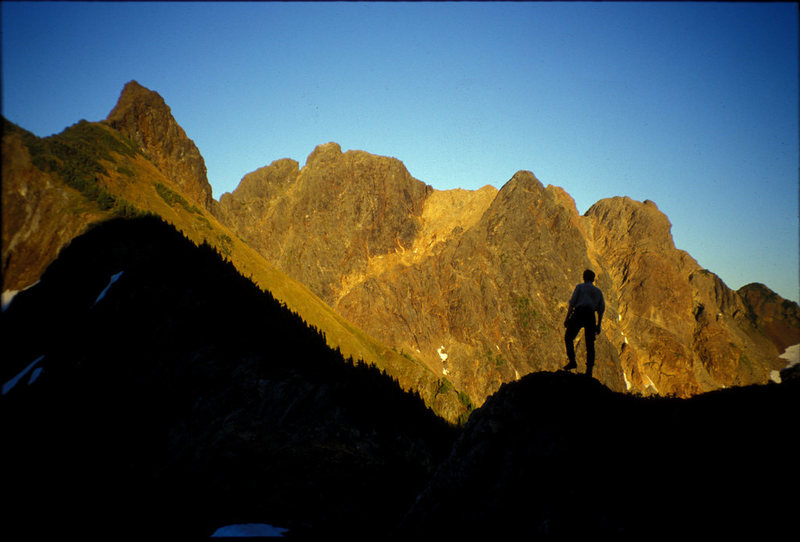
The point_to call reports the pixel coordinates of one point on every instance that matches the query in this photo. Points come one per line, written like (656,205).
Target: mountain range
(465,286)
(340,323)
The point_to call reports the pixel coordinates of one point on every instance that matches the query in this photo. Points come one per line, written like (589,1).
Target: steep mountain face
(446,290)
(142,115)
(476,284)
(324,223)
(149,387)
(778,318)
(684,330)
(559,456)
(54,187)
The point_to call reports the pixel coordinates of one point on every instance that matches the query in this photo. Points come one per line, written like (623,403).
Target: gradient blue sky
(691,105)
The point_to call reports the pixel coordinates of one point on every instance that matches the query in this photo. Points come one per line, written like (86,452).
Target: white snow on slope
(114,278)
(8,295)
(249,529)
(8,386)
(792,357)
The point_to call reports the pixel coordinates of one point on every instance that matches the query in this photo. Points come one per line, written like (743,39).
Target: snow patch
(249,529)
(114,278)
(8,386)
(445,372)
(9,295)
(441,353)
(791,355)
(651,383)
(627,382)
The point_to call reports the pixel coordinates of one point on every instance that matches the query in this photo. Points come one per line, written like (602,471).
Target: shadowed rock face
(143,116)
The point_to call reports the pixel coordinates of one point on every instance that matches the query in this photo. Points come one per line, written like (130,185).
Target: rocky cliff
(475,283)
(323,224)
(142,115)
(54,188)
(455,289)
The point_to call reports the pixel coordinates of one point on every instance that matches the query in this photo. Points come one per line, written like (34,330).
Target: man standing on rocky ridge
(585,301)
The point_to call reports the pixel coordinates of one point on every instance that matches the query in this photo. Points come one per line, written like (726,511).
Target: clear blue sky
(691,105)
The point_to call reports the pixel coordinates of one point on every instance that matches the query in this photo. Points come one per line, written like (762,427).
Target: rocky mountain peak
(324,153)
(144,117)
(633,221)
(266,181)
(525,179)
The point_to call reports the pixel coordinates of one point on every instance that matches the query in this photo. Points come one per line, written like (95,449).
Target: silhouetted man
(586,300)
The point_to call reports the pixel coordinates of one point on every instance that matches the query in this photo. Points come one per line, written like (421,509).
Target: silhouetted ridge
(560,455)
(179,397)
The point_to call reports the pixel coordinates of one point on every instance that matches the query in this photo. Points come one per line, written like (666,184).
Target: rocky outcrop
(778,318)
(143,116)
(475,284)
(327,220)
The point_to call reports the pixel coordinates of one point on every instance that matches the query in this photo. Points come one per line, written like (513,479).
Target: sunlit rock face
(39,214)
(143,116)
(485,275)
(471,286)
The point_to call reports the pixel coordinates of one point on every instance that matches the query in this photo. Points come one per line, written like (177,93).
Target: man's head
(588,276)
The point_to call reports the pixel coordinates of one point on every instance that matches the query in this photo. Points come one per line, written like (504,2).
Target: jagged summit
(324,153)
(143,116)
(134,92)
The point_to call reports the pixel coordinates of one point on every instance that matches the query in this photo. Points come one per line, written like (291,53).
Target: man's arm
(571,306)
(600,310)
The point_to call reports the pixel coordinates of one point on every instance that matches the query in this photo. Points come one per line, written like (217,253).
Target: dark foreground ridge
(175,397)
(165,393)
(559,455)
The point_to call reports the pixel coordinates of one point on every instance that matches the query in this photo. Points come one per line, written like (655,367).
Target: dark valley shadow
(171,395)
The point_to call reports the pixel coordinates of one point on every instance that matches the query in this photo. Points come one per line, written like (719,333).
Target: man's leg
(569,340)
(590,336)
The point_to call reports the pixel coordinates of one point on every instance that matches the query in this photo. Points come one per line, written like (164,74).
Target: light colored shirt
(588,295)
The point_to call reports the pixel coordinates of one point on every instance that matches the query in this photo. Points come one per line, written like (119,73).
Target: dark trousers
(581,318)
